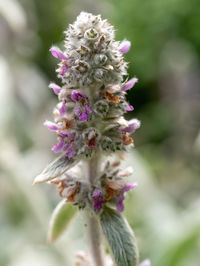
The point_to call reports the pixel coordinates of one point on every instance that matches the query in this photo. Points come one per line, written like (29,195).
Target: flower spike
(91,129)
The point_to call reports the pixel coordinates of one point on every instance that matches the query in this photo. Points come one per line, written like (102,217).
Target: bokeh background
(165,55)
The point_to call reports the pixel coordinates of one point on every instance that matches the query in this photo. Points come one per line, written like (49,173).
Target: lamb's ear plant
(92,139)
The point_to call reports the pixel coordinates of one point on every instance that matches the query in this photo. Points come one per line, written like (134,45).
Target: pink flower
(66,144)
(133,125)
(59,146)
(51,126)
(63,69)
(82,110)
(120,197)
(57,53)
(69,144)
(145,263)
(129,85)
(98,199)
(62,109)
(124,47)
(55,88)
(129,107)
(70,149)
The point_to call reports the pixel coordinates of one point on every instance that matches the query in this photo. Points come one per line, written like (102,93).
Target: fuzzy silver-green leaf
(120,238)
(60,219)
(55,169)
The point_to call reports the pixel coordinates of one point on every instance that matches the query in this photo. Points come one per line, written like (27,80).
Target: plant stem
(92,170)
(94,239)
(92,224)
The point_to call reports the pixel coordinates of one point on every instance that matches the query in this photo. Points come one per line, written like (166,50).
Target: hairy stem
(92,170)
(94,239)
(92,224)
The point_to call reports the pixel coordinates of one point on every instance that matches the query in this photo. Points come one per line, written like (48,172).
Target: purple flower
(59,146)
(77,96)
(70,150)
(57,53)
(145,263)
(69,146)
(62,109)
(65,134)
(98,199)
(66,143)
(128,85)
(82,110)
(124,46)
(133,125)
(129,107)
(55,88)
(63,69)
(120,197)
(51,126)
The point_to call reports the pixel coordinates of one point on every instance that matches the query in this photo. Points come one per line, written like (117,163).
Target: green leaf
(120,238)
(60,219)
(55,169)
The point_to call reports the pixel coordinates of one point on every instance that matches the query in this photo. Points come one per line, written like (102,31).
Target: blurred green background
(165,55)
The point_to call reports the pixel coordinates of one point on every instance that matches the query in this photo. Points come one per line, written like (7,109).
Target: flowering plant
(92,137)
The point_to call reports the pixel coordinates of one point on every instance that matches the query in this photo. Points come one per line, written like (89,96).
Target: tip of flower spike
(57,53)
(124,47)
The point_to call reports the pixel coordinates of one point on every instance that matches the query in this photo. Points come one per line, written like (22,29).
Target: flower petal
(133,125)
(145,263)
(77,95)
(63,69)
(96,193)
(129,108)
(88,110)
(120,198)
(51,126)
(70,151)
(120,202)
(124,46)
(129,186)
(128,85)
(62,109)
(98,199)
(83,117)
(59,146)
(57,53)
(55,88)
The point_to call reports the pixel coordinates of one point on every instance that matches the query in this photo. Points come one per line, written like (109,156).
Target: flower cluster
(92,100)
(110,187)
